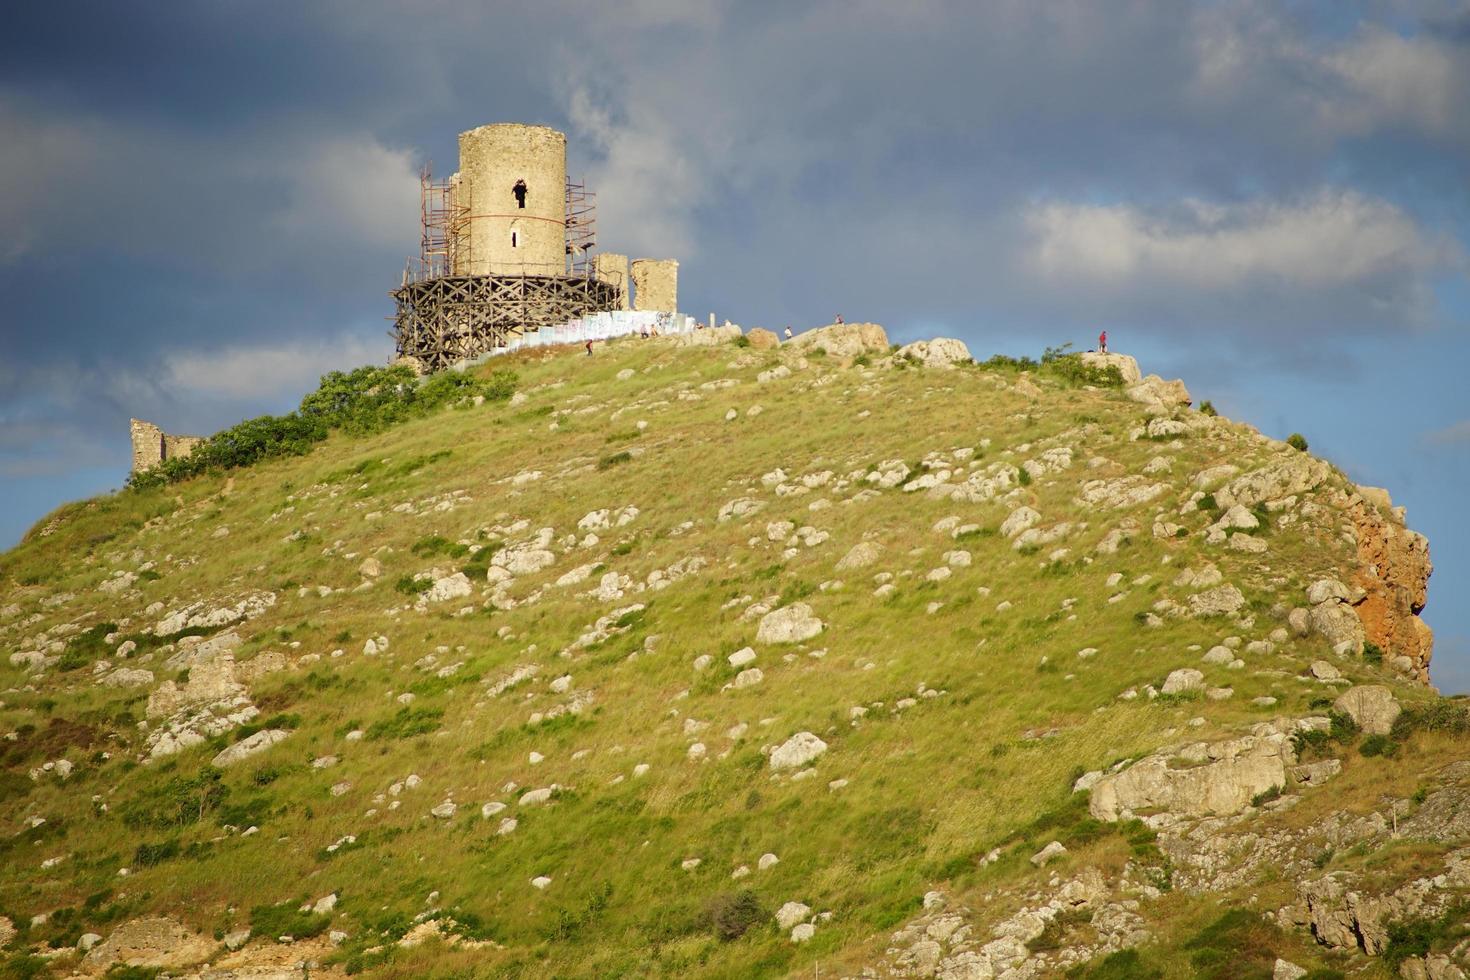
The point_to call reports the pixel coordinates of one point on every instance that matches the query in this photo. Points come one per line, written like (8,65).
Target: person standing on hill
(589,348)
(1102,342)
(788,331)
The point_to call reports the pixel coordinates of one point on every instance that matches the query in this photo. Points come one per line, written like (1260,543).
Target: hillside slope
(715,659)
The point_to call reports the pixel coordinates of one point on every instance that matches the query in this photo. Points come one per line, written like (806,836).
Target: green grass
(931,787)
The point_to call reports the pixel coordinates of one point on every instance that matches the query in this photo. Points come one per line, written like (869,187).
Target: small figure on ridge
(1102,342)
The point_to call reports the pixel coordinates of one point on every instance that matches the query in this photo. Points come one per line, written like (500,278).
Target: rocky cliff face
(1393,574)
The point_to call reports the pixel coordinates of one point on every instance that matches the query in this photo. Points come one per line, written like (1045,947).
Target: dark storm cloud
(203,205)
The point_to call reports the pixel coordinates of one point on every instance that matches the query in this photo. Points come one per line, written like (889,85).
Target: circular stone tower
(512,185)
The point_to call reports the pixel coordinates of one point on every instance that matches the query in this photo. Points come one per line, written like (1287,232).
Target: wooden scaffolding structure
(581,225)
(446,319)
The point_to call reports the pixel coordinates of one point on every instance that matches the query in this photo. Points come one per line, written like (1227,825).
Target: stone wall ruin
(151,445)
(656,285)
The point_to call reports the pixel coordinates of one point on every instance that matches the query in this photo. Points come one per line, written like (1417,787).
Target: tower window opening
(519,190)
(515,239)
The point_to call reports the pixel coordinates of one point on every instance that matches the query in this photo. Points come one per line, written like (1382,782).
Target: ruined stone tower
(511,186)
(506,249)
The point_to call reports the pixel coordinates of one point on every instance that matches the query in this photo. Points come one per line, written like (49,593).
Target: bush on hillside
(1125,964)
(1060,363)
(1297,441)
(1414,938)
(360,402)
(1444,716)
(731,916)
(286,919)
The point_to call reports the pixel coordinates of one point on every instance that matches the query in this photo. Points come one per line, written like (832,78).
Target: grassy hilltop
(424,666)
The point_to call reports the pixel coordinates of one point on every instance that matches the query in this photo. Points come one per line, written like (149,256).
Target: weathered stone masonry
(151,445)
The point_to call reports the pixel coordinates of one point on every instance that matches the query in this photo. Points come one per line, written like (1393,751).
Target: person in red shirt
(1102,342)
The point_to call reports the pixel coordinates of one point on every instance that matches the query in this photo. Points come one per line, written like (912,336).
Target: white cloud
(647,185)
(358,189)
(1451,435)
(1335,239)
(267,371)
(1388,80)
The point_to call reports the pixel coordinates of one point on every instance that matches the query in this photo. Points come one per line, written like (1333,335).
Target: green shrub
(500,386)
(1125,964)
(1023,477)
(1373,653)
(1266,796)
(360,402)
(1444,716)
(286,919)
(1414,938)
(1236,946)
(732,915)
(86,647)
(1207,407)
(1378,745)
(23,967)
(179,802)
(151,855)
(119,971)
(741,341)
(407,723)
(1005,362)
(436,545)
(1053,935)
(413,584)
(608,462)
(1297,441)
(1071,369)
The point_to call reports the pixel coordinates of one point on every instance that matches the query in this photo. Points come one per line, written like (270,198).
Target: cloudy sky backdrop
(203,205)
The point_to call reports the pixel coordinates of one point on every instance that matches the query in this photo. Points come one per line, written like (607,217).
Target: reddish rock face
(1393,571)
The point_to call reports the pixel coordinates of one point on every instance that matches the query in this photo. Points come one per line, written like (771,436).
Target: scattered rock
(860,556)
(252,745)
(790,624)
(791,913)
(1183,680)
(1372,706)
(797,751)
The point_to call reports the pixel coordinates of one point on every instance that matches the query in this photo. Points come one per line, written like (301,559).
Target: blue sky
(202,206)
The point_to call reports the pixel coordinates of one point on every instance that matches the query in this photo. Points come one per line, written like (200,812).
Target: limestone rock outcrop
(1372,706)
(710,337)
(150,942)
(939,352)
(843,339)
(1219,779)
(762,339)
(1127,366)
(1159,397)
